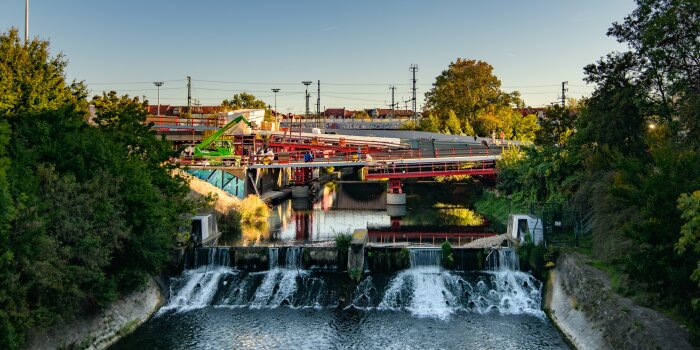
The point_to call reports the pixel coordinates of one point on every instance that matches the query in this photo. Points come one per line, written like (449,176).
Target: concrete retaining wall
(581,303)
(101,330)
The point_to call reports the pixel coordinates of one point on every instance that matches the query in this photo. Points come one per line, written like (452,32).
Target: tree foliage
(468,93)
(630,155)
(243,100)
(88,211)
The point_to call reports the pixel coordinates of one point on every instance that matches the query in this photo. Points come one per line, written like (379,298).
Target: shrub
(342,243)
(253,211)
(448,259)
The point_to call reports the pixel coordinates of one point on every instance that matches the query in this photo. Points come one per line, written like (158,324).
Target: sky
(357,49)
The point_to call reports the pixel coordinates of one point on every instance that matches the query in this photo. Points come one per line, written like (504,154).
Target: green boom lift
(213,147)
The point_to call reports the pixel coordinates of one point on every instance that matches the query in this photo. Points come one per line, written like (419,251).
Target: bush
(342,243)
(253,211)
(448,259)
(230,225)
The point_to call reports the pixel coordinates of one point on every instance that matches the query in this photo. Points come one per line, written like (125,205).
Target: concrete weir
(356,251)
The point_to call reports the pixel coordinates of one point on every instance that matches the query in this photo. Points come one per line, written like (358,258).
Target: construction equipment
(214,146)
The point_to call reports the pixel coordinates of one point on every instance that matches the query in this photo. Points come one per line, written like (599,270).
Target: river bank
(99,331)
(580,301)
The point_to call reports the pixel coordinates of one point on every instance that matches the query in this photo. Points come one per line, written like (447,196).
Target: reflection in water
(255,234)
(460,216)
(340,208)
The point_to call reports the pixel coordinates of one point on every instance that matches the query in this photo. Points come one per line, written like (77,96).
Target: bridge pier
(395,194)
(301,180)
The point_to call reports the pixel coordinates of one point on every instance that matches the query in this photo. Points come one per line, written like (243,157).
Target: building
(375,113)
(176,111)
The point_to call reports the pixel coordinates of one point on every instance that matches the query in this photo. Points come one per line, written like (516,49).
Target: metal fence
(563,224)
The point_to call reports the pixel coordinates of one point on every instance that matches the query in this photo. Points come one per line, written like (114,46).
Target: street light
(158,84)
(275,90)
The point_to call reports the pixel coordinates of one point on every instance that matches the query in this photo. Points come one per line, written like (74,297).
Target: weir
(425,257)
(425,289)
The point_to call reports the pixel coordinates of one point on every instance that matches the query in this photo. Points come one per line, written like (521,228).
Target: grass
(496,208)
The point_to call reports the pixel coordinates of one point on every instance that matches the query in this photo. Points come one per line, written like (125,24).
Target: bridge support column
(300,191)
(302,178)
(395,194)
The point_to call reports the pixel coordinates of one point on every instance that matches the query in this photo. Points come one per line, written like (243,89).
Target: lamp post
(158,84)
(275,90)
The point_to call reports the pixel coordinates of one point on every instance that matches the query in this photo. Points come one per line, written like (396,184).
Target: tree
(243,100)
(524,128)
(470,89)
(362,114)
(452,125)
(430,123)
(557,124)
(92,209)
(689,204)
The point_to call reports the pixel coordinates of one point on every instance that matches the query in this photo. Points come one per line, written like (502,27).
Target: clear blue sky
(359,46)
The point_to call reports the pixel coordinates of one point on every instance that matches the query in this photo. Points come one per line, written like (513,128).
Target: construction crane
(213,146)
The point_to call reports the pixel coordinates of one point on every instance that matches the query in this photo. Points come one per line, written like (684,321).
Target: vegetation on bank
(87,210)
(630,156)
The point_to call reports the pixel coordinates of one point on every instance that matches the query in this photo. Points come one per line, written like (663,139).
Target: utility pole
(158,84)
(275,90)
(318,104)
(563,93)
(189,95)
(392,88)
(306,83)
(414,68)
(26,22)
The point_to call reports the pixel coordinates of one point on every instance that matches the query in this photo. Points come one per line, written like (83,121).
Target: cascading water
(425,289)
(425,257)
(505,258)
(197,286)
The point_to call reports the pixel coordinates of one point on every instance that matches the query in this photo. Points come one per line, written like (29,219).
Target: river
(215,306)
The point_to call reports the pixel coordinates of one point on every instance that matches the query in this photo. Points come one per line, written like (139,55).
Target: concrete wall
(101,330)
(581,303)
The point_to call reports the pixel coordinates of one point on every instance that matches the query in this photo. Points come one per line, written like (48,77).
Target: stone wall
(101,330)
(581,303)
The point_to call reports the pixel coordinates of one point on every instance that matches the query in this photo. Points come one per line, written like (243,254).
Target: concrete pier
(300,191)
(395,198)
(356,252)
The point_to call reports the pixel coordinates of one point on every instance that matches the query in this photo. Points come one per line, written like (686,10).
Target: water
(214,306)
(340,208)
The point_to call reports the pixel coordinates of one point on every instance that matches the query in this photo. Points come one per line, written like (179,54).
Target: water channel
(215,306)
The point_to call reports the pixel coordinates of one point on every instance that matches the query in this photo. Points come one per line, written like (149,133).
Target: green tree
(430,123)
(689,205)
(452,124)
(470,89)
(92,209)
(362,114)
(524,128)
(556,126)
(243,100)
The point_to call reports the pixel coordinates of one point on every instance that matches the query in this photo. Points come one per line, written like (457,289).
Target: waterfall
(273,254)
(280,284)
(196,287)
(425,257)
(293,258)
(424,290)
(504,258)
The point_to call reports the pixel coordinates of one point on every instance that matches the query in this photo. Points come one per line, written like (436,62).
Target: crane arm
(206,142)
